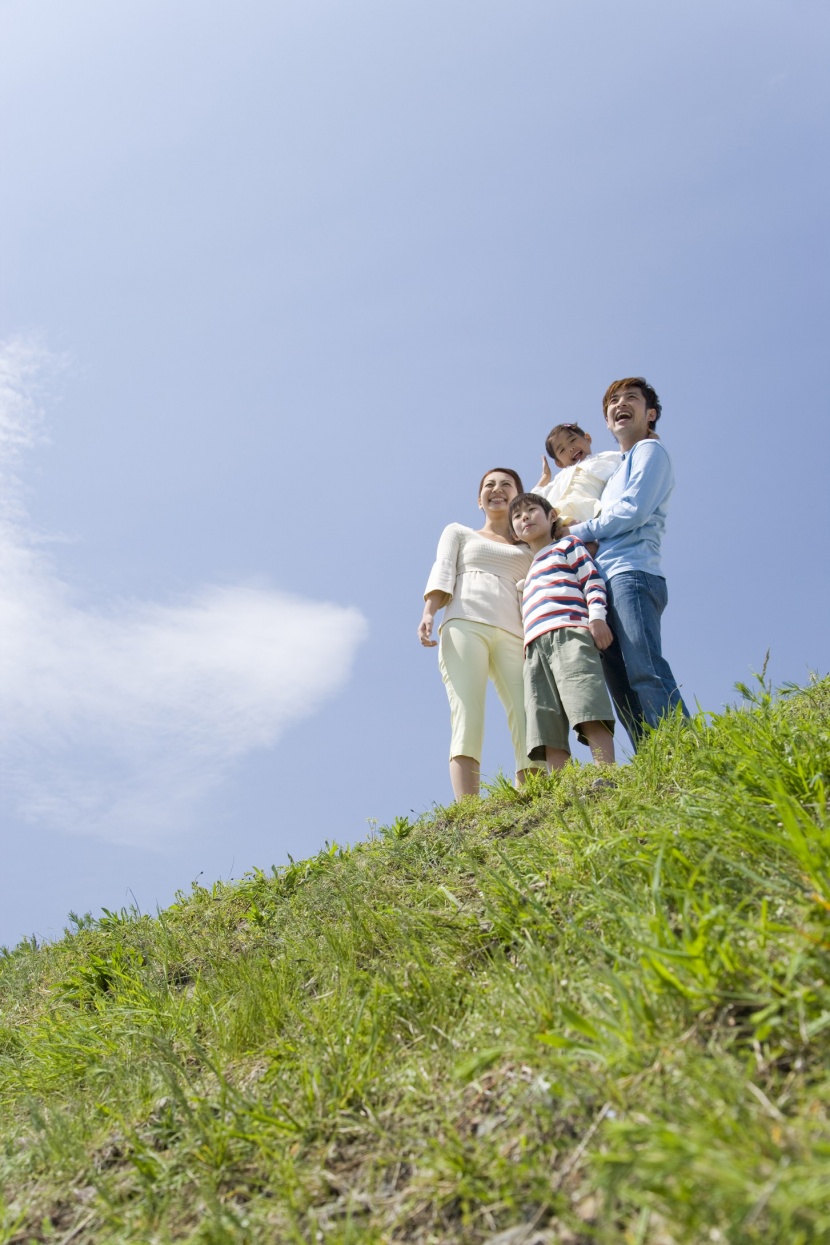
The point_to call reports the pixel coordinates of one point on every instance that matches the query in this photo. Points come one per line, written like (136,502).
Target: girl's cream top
(576,491)
(480,577)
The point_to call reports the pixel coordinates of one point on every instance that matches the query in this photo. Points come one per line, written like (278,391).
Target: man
(629,529)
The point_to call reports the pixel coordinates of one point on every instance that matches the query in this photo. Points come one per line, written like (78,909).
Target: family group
(558,597)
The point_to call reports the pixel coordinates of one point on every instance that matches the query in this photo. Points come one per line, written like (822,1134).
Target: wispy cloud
(119,721)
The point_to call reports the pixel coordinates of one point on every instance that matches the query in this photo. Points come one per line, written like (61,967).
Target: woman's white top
(480,577)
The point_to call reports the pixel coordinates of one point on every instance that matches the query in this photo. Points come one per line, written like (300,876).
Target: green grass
(601,1015)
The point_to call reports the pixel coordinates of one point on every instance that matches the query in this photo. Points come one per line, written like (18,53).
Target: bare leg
(521,775)
(557,758)
(465,776)
(600,741)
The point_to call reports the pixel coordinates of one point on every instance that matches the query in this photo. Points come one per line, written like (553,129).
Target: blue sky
(280,281)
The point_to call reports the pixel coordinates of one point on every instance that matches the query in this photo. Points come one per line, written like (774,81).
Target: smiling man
(630,529)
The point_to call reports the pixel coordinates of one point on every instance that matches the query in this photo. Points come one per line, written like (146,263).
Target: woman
(475,577)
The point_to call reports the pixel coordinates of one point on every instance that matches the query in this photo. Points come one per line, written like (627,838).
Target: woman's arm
(433,602)
(441,582)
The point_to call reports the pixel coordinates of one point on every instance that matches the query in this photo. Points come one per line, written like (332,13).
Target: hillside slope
(555,1015)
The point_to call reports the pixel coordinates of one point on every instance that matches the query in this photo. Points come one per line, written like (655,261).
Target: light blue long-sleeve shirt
(633,518)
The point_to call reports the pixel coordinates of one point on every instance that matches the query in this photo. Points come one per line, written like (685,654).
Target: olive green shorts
(564,686)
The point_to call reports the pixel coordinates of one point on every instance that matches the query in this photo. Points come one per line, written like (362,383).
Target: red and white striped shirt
(563,588)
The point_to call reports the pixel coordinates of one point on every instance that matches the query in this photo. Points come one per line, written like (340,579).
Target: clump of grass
(590,1016)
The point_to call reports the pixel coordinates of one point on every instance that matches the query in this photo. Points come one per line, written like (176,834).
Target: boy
(563,611)
(578,486)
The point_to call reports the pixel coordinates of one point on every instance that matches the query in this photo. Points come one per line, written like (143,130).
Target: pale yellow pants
(468,654)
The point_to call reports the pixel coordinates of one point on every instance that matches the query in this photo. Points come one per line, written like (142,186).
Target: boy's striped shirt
(563,588)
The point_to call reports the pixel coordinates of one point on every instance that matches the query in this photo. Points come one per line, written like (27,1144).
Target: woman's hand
(425,631)
(433,602)
(545,477)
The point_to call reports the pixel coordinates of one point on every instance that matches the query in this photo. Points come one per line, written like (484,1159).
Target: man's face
(530,523)
(628,417)
(570,447)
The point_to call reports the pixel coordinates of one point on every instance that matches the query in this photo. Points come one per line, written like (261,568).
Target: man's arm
(648,484)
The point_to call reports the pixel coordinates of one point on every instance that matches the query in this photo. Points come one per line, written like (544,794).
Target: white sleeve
(553,492)
(445,567)
(603,465)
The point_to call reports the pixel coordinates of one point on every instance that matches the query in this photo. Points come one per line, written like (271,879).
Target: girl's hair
(532,499)
(508,471)
(561,428)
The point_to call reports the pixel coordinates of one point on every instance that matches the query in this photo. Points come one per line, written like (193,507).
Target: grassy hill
(556,1015)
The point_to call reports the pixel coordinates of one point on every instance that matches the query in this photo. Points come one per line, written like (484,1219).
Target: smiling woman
(475,576)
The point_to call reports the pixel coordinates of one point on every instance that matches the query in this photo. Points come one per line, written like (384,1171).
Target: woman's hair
(508,471)
(532,499)
(561,428)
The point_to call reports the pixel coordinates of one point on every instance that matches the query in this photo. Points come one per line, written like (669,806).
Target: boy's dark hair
(532,499)
(634,382)
(580,432)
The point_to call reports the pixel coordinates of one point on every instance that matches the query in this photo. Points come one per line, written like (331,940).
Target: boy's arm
(588,577)
(648,484)
(593,589)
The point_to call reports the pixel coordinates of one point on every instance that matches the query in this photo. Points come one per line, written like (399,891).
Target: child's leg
(584,695)
(600,741)
(557,758)
(547,723)
(521,774)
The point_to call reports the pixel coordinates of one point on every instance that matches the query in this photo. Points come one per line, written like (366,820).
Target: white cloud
(118,722)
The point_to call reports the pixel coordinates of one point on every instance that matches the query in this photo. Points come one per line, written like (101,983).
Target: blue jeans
(639,678)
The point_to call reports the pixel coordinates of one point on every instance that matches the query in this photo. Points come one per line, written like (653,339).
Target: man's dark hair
(580,432)
(532,499)
(634,382)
